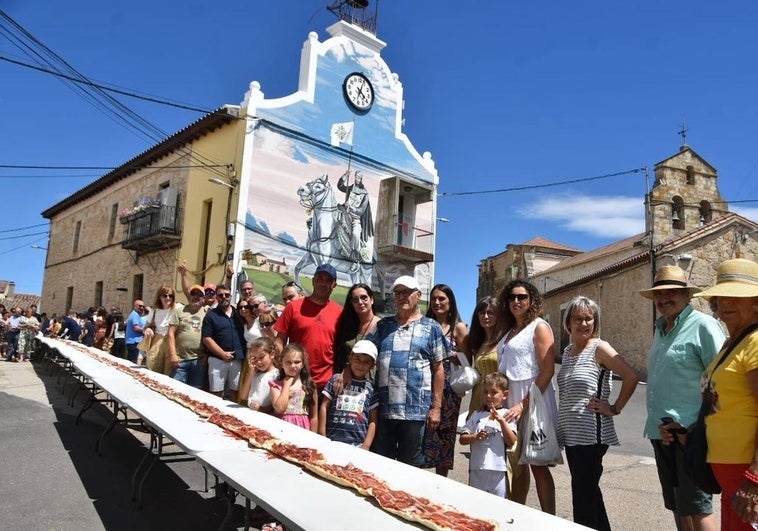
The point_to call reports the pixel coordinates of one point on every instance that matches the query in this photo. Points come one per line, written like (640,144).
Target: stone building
(518,261)
(689,225)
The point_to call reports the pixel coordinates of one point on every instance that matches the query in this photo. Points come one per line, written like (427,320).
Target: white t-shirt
(260,391)
(162,318)
(487,454)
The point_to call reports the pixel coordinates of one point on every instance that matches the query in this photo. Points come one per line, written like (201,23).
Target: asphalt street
(53,479)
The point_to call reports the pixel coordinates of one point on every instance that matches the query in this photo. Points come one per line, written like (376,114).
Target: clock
(358,92)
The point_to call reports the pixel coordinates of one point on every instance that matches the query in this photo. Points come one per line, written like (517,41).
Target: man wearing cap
(685,342)
(312,322)
(184,340)
(409,376)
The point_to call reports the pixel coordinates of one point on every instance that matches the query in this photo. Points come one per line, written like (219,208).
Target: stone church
(688,224)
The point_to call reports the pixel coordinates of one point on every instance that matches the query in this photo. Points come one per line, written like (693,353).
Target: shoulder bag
(696,447)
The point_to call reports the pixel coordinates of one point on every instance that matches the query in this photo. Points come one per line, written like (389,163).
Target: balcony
(150,229)
(410,243)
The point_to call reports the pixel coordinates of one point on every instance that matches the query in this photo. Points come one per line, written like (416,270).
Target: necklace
(365,327)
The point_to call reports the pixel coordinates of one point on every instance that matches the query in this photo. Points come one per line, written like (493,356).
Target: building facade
(271,187)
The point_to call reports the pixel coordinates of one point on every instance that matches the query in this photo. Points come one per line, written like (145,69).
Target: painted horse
(329,234)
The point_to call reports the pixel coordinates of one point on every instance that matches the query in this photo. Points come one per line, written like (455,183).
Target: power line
(174,166)
(23,236)
(546,185)
(24,228)
(92,84)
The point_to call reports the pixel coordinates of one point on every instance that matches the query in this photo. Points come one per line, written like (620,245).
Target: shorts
(492,481)
(679,492)
(223,374)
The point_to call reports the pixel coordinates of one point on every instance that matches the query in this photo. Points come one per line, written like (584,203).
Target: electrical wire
(546,185)
(24,228)
(23,236)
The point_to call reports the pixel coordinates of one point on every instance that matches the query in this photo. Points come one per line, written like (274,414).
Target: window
(706,214)
(690,175)
(77,230)
(98,294)
(114,216)
(69,298)
(137,286)
(677,212)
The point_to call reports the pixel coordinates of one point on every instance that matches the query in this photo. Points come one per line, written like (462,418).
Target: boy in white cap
(351,415)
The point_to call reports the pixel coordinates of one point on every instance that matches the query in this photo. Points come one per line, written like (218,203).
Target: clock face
(358,91)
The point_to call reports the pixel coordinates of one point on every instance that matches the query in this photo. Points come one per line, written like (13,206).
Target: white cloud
(602,216)
(750,213)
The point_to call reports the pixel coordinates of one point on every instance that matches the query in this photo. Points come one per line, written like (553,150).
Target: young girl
(254,389)
(293,393)
(490,436)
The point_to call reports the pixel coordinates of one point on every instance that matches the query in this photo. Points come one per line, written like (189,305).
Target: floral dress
(28,328)
(439,445)
(295,413)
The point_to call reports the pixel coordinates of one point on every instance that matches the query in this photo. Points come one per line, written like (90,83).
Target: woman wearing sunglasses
(157,328)
(525,355)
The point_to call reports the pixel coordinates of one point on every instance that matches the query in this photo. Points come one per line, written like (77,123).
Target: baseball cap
(365,347)
(197,287)
(210,287)
(326,268)
(407,281)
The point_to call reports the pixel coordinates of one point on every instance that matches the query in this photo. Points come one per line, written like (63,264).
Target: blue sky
(503,94)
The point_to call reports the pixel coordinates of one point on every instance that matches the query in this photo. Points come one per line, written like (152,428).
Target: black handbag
(696,447)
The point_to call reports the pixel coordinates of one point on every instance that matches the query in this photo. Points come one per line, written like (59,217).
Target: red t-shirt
(313,326)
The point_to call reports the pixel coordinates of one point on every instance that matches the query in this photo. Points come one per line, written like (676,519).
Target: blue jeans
(400,440)
(190,372)
(12,337)
(132,352)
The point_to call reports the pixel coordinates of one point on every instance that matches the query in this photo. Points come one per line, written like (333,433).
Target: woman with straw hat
(731,385)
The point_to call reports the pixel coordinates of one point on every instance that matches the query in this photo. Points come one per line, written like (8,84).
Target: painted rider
(359,210)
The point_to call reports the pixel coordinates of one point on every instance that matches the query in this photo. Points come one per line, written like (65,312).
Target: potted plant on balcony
(141,205)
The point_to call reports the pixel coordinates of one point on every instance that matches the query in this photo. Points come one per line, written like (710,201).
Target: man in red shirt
(312,322)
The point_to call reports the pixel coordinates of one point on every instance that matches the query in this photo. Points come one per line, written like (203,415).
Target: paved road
(52,479)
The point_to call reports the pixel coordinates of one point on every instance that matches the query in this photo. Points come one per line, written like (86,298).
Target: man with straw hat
(685,342)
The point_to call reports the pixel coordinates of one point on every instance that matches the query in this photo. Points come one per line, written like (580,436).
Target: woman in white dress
(525,355)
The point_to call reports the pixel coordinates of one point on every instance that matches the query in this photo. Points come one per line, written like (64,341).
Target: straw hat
(669,277)
(735,278)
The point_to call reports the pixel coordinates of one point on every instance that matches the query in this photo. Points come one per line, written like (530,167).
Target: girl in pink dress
(293,393)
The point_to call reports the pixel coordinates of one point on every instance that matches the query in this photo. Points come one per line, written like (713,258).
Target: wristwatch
(614,409)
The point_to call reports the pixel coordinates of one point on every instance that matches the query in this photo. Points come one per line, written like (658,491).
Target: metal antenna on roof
(356,12)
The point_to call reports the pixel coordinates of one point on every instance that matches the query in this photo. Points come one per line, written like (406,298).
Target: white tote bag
(463,377)
(540,441)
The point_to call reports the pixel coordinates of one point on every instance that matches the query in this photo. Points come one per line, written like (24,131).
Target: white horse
(329,234)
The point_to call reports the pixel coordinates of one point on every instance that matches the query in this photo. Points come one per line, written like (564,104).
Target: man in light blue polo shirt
(684,344)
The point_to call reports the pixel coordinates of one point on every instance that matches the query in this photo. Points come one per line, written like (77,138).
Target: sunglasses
(168,295)
(292,284)
(518,297)
(197,294)
(223,295)
(266,324)
(241,307)
(210,292)
(360,298)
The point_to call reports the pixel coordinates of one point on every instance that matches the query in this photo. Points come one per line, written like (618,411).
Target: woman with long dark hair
(525,355)
(356,322)
(483,337)
(439,444)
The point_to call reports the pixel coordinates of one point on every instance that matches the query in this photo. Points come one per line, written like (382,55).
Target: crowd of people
(383,384)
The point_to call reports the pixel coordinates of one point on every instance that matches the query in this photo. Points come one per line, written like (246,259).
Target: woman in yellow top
(732,388)
(486,331)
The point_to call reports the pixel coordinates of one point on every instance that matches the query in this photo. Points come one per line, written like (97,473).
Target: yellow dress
(484,364)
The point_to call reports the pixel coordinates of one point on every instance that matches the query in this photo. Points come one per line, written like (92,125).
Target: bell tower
(685,195)
(356,12)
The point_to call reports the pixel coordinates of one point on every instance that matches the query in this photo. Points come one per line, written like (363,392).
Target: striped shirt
(578,381)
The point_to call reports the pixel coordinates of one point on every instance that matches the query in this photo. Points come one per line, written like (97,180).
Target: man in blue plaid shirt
(409,377)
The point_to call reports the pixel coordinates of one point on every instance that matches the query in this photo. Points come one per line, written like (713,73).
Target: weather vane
(683,132)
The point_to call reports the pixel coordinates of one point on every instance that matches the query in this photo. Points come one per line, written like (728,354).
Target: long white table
(292,495)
